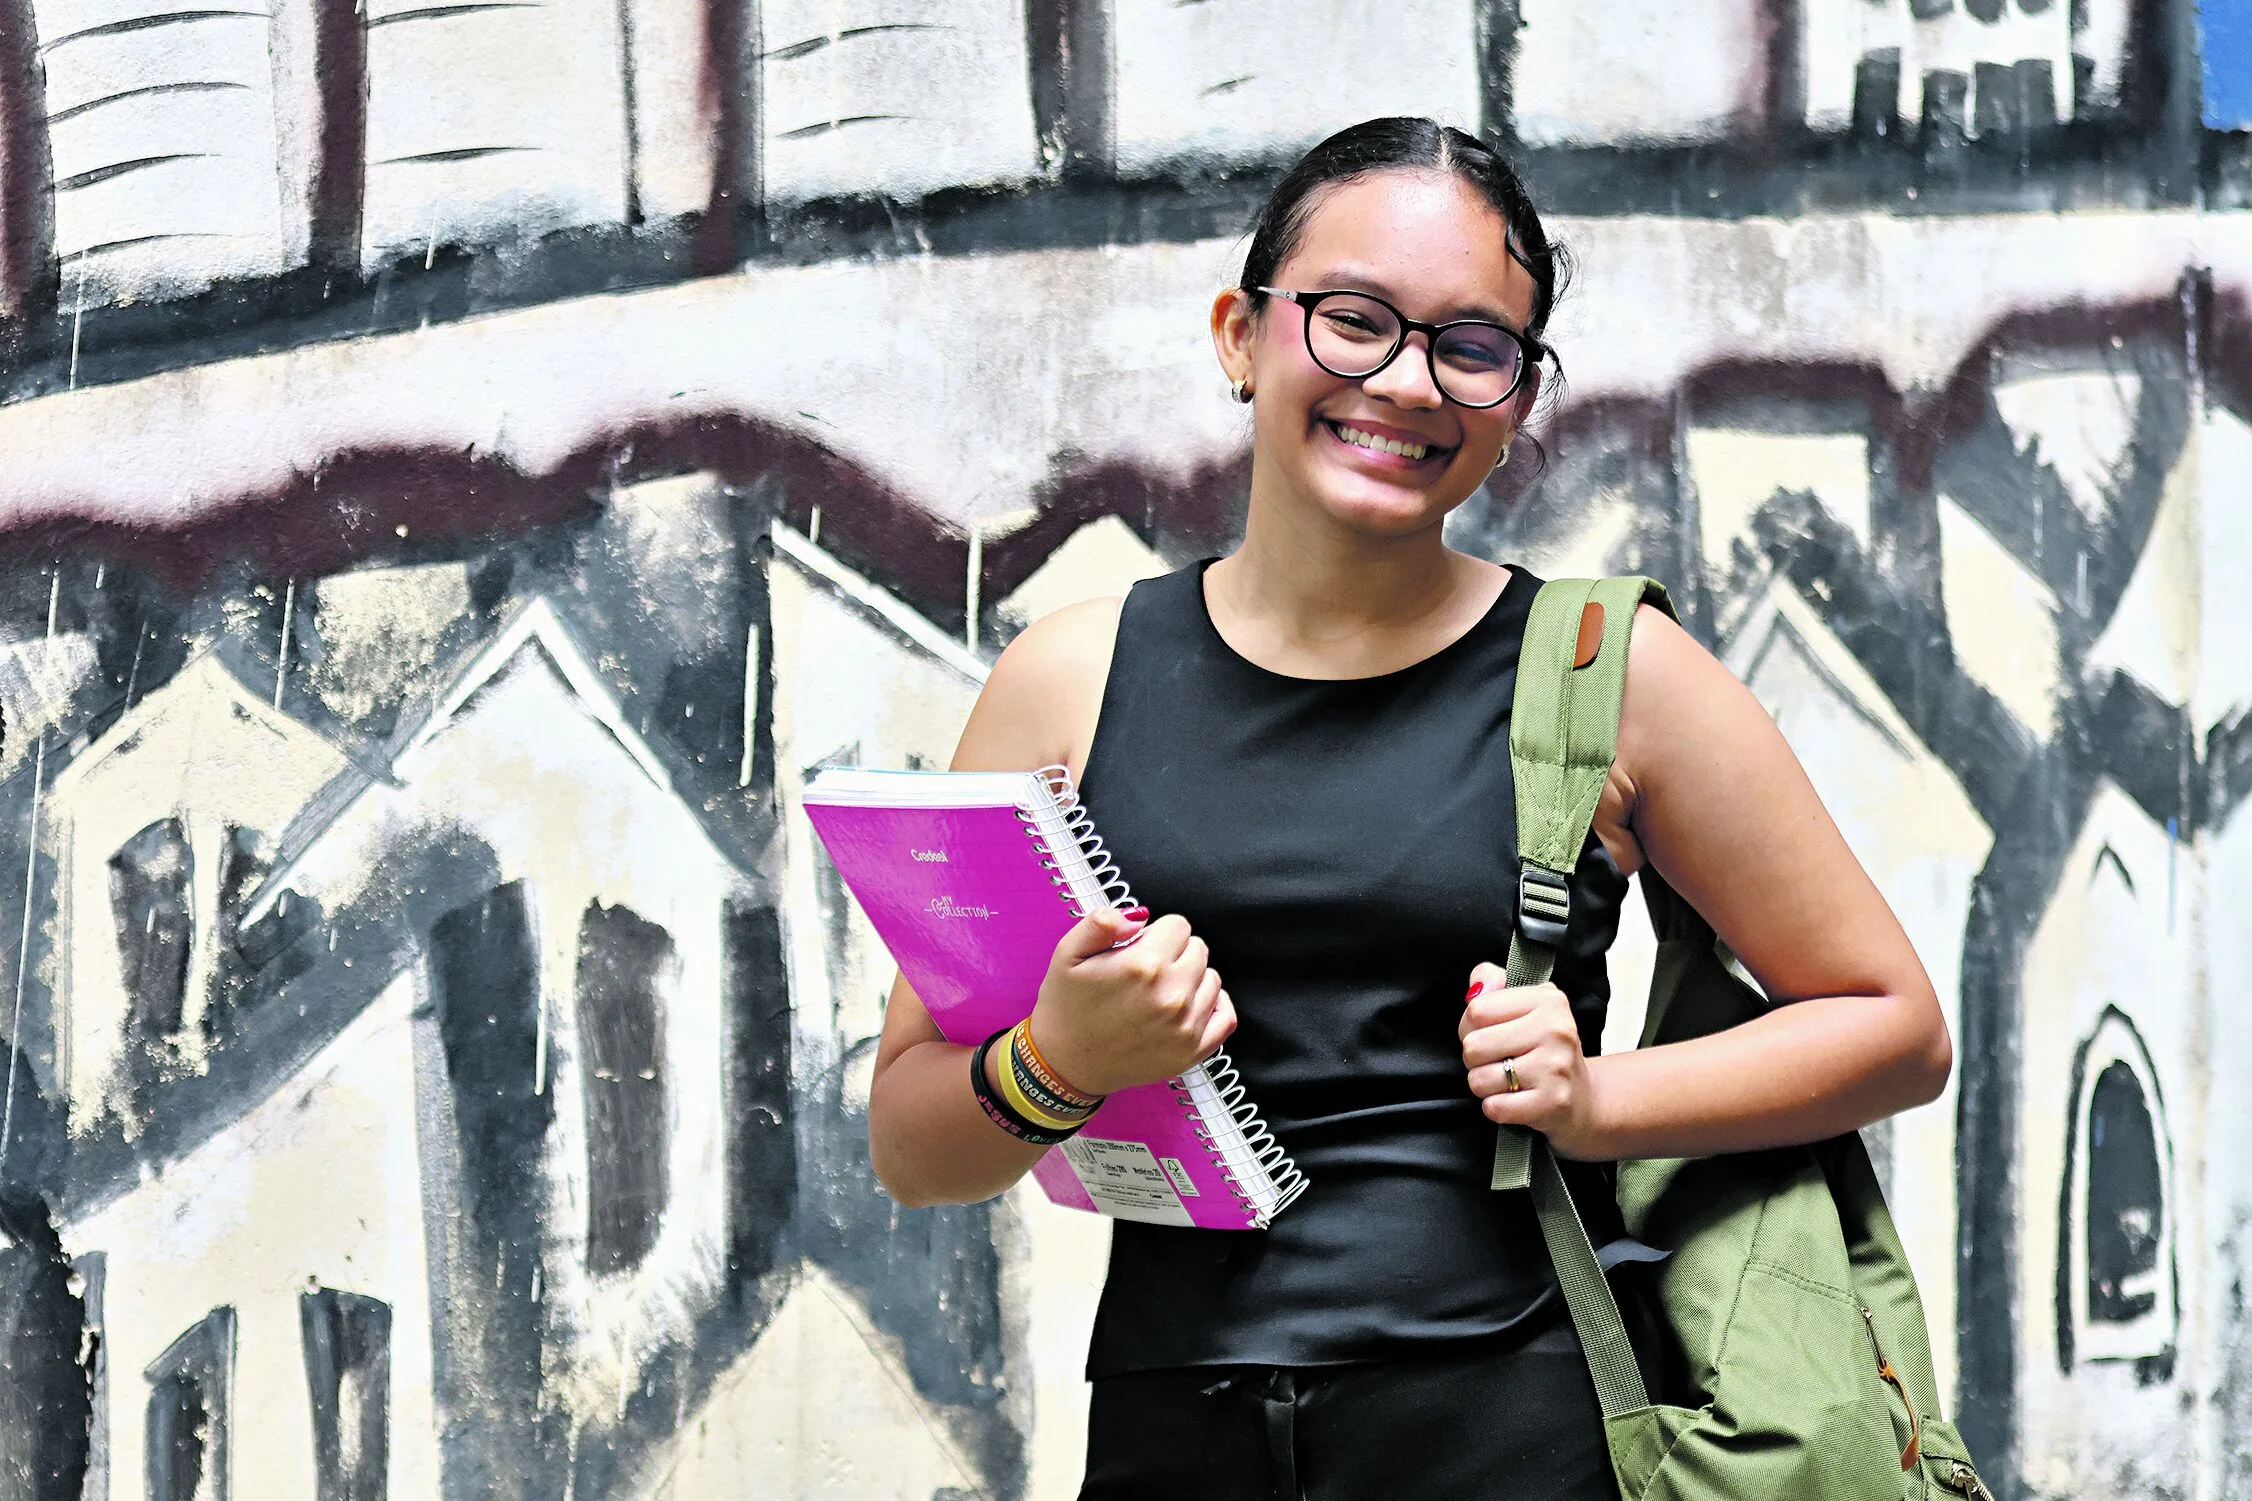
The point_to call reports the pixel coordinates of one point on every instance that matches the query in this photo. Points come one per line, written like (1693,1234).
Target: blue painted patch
(2226,27)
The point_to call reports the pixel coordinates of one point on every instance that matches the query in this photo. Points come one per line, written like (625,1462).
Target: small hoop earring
(1240,390)
(1502,462)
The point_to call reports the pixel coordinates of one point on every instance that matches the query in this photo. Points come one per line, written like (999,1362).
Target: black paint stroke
(189,1421)
(145,91)
(2013,101)
(150,23)
(151,885)
(762,1164)
(92,1268)
(103,247)
(45,1341)
(447,12)
(455,154)
(2110,856)
(629,109)
(337,184)
(823,127)
(250,962)
(1495,24)
(812,45)
(1068,48)
(1876,96)
(484,976)
(1778,120)
(347,1342)
(95,175)
(730,95)
(1944,128)
(624,968)
(27,217)
(2162,90)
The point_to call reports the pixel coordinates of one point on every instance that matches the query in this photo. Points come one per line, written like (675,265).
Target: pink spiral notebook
(970,879)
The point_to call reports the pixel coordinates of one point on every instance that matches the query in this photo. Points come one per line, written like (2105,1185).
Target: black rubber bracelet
(998,1111)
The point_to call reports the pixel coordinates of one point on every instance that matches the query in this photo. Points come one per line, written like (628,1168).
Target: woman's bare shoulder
(1043,696)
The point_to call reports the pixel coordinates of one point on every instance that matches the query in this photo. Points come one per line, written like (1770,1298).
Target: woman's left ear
(1232,331)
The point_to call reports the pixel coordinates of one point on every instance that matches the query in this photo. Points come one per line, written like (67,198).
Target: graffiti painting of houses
(462,467)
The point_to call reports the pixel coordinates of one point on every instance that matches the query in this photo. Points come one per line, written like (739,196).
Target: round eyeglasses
(1474,363)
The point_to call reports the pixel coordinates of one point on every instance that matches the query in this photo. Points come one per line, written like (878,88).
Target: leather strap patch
(1591,634)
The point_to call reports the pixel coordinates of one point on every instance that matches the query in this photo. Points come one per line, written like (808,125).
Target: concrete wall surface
(464,466)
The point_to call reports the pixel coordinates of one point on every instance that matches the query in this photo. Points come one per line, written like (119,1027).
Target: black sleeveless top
(1348,850)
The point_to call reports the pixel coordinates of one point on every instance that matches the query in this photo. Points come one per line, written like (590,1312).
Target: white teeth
(1359,439)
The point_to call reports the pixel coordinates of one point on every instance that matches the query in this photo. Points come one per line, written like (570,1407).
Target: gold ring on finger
(1509,1070)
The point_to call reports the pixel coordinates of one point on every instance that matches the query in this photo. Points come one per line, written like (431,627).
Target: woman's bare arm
(1707,791)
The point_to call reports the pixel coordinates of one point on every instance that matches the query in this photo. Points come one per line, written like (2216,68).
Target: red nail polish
(1475,987)
(1135,914)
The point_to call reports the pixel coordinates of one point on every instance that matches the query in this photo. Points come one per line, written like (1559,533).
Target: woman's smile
(1386,449)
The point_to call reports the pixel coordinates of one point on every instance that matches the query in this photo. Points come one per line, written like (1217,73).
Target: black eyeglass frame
(1533,350)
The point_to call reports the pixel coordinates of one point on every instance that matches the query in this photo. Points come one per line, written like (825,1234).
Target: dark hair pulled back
(1407,141)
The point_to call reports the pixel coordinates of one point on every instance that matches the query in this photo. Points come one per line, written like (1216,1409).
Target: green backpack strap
(1563,736)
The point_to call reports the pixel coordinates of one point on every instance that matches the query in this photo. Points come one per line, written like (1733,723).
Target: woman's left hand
(1529,1031)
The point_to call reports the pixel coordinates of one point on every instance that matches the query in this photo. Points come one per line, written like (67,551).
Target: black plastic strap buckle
(1544,905)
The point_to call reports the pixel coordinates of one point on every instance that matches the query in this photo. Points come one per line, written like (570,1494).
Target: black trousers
(1517,1420)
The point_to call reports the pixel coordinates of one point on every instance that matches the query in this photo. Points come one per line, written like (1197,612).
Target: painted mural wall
(462,466)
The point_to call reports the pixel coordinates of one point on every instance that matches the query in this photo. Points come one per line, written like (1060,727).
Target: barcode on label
(1180,1177)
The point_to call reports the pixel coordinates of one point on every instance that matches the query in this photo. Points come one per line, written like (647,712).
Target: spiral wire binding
(1079,827)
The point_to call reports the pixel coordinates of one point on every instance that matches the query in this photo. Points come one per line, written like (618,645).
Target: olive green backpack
(1783,1279)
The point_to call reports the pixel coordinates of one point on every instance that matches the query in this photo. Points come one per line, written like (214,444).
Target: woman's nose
(1405,379)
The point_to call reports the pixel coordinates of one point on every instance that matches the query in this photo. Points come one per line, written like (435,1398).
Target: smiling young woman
(1300,754)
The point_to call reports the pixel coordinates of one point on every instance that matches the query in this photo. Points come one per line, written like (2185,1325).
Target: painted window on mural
(2115,1265)
(187,1415)
(623,960)
(150,891)
(762,1168)
(348,1376)
(484,981)
(2126,1200)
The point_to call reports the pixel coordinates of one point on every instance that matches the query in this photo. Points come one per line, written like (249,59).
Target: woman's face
(1434,248)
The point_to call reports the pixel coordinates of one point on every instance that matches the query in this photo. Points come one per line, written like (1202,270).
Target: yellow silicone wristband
(1022,1103)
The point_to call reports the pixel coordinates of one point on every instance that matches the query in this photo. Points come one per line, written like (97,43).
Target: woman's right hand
(1110,1017)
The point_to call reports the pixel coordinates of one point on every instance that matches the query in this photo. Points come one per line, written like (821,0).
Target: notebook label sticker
(1180,1177)
(1125,1180)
